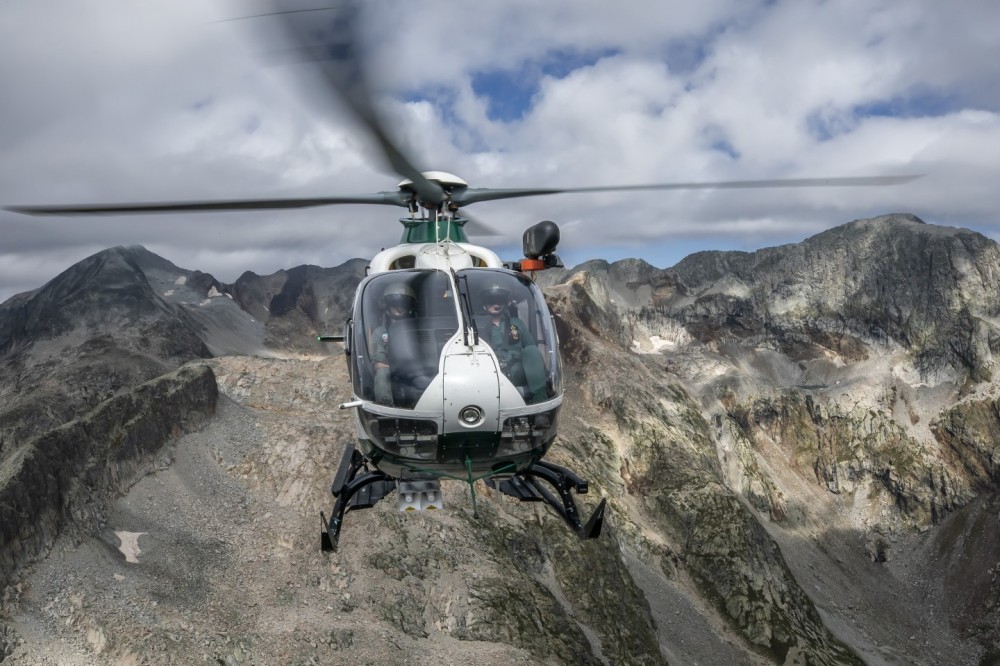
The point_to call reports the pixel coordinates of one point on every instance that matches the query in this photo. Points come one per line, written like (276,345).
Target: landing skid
(524,486)
(353,493)
(357,487)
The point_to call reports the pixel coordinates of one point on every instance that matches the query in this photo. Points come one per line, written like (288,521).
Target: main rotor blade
(474,195)
(328,37)
(383,198)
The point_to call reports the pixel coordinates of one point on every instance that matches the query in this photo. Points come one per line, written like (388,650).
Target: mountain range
(800,447)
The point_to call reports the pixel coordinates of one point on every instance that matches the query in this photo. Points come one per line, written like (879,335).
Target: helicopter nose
(471,393)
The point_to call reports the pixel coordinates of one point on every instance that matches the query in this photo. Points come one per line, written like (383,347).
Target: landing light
(471,415)
(519,434)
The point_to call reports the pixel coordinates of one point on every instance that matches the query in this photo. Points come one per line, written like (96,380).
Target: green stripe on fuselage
(427,231)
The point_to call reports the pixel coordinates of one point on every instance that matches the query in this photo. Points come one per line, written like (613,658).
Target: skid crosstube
(353,492)
(525,486)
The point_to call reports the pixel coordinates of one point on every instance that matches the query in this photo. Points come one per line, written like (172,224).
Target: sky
(107,102)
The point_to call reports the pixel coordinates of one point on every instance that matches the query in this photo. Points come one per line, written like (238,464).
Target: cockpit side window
(402,322)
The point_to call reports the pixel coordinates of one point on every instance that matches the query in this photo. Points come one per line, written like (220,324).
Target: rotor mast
(434,221)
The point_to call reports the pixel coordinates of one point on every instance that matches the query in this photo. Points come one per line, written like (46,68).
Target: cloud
(106,102)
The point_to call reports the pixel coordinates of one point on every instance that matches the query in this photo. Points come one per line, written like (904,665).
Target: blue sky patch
(716,138)
(824,124)
(920,103)
(827,123)
(723,146)
(509,92)
(561,63)
(686,54)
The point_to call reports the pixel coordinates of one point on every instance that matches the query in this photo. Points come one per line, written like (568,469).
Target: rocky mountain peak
(96,296)
(887,282)
(797,446)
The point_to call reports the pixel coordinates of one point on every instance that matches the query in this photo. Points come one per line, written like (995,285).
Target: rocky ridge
(847,380)
(58,481)
(801,478)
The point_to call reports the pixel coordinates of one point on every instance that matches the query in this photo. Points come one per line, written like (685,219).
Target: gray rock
(60,478)
(797,444)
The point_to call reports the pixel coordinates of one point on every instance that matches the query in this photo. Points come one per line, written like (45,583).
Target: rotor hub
(443,178)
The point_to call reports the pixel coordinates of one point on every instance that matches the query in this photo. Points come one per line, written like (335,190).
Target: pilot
(515,348)
(398,302)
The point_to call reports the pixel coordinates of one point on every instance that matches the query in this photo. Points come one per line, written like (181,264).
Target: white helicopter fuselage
(469,396)
(443,256)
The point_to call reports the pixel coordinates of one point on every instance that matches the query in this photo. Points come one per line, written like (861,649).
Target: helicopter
(452,352)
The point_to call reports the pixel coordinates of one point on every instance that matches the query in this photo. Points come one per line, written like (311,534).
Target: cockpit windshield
(406,317)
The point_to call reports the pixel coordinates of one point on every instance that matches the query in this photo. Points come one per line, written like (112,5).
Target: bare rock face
(971,432)
(302,299)
(967,545)
(847,386)
(8,642)
(97,296)
(125,316)
(97,328)
(969,542)
(888,281)
(844,449)
(230,566)
(62,477)
(841,351)
(653,452)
